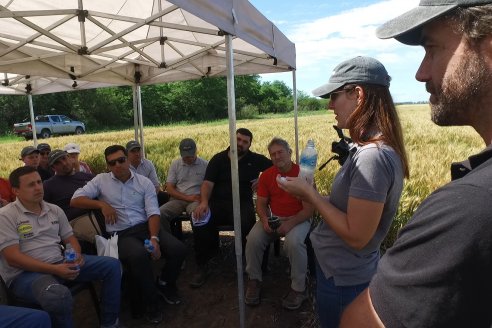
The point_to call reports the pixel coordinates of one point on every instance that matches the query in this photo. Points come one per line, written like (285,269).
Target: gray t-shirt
(187,178)
(372,172)
(37,235)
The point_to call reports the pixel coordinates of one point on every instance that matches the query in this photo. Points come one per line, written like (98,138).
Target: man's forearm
(154,225)
(206,191)
(86,202)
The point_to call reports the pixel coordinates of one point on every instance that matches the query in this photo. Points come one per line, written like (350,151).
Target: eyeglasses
(120,160)
(334,95)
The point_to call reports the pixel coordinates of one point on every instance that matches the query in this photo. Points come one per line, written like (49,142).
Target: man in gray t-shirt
(32,263)
(183,181)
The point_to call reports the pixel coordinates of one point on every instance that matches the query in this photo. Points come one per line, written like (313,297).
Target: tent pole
(135,112)
(296,127)
(231,101)
(33,121)
(140,119)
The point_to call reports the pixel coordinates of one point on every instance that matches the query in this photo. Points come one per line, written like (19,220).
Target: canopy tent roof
(121,42)
(13,84)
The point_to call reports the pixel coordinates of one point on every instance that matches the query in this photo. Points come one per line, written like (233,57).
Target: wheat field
(430,149)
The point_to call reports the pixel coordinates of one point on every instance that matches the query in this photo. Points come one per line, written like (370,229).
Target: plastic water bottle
(307,163)
(148,246)
(70,255)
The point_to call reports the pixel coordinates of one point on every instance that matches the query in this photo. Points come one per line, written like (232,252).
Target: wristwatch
(156,238)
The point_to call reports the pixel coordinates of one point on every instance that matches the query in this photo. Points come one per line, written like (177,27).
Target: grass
(431,149)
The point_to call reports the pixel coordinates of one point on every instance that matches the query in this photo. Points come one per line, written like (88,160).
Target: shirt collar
(460,169)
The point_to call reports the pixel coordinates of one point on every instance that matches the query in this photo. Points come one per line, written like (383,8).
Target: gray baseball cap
(407,28)
(28,151)
(187,147)
(132,145)
(56,155)
(365,70)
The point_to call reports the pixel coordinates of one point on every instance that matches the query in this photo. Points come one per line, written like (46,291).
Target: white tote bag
(107,247)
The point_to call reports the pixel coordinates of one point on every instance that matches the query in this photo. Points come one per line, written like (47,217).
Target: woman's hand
(295,186)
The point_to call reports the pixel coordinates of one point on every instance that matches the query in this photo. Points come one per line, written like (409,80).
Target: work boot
(253,292)
(200,277)
(293,300)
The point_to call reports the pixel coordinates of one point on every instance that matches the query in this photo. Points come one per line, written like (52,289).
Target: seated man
(294,216)
(143,166)
(6,194)
(59,190)
(129,204)
(183,181)
(30,156)
(14,316)
(32,262)
(44,169)
(216,196)
(73,151)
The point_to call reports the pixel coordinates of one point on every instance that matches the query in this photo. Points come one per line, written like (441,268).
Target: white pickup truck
(48,125)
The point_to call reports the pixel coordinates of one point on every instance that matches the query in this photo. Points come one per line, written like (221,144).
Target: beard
(460,94)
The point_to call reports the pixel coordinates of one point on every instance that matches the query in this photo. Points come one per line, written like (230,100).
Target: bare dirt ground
(215,304)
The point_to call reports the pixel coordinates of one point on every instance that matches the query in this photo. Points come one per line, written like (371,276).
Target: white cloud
(324,42)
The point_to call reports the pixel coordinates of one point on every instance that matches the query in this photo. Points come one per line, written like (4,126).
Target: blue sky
(327,32)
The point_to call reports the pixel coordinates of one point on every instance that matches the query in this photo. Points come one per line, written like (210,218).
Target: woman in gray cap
(365,192)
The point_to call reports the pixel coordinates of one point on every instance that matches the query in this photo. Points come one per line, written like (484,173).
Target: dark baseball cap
(132,145)
(56,155)
(28,151)
(361,69)
(407,28)
(44,146)
(187,147)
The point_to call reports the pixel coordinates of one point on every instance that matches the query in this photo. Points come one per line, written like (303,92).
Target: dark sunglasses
(120,160)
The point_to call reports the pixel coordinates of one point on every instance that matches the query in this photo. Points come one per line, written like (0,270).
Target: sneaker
(169,293)
(200,277)
(253,292)
(154,316)
(116,324)
(293,300)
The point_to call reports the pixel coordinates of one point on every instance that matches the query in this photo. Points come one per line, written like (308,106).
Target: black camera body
(274,222)
(341,148)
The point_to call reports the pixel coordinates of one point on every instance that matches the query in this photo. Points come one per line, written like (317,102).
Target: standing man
(32,262)
(216,197)
(183,181)
(129,205)
(437,274)
(294,216)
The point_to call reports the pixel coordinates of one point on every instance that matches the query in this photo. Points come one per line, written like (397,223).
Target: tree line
(192,101)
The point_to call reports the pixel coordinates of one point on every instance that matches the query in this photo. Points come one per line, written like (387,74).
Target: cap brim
(325,90)
(407,28)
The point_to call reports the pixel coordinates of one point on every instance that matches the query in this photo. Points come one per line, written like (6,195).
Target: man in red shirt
(294,216)
(6,194)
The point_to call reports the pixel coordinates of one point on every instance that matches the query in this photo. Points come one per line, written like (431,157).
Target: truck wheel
(79,130)
(45,133)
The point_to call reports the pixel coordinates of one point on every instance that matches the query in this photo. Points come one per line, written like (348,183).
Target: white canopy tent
(138,42)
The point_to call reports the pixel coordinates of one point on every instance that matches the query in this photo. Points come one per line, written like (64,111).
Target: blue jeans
(331,300)
(49,292)
(13,316)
